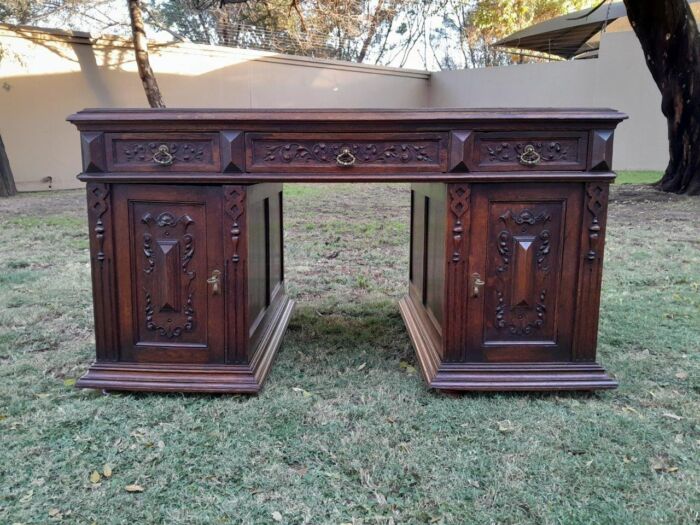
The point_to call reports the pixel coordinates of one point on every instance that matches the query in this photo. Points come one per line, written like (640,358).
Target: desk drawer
(346,152)
(162,152)
(538,151)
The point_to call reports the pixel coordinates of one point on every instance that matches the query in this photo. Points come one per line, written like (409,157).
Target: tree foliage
(446,34)
(378,31)
(470,27)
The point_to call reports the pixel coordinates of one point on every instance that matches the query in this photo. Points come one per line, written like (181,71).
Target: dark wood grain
(508,217)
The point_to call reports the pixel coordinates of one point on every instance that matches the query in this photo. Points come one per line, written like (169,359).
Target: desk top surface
(345,115)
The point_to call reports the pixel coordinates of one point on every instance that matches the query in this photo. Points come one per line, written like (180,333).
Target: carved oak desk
(508,212)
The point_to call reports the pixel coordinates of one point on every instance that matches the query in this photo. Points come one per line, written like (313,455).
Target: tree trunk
(669,36)
(148,79)
(7,181)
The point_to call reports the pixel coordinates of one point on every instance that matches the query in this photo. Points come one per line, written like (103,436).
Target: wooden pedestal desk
(508,212)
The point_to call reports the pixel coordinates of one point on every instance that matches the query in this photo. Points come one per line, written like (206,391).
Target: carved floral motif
(518,319)
(524,323)
(526,216)
(170,331)
(188,152)
(325,152)
(169,221)
(512,151)
(148,252)
(503,248)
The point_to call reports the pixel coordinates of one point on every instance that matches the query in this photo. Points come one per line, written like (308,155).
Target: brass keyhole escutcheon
(215,282)
(345,157)
(477,284)
(163,156)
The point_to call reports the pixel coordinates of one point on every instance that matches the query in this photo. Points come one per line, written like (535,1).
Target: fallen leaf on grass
(661,464)
(107,471)
(630,409)
(670,415)
(95,477)
(55,513)
(277,516)
(505,426)
(134,488)
(682,375)
(410,369)
(68,382)
(305,393)
(301,470)
(361,366)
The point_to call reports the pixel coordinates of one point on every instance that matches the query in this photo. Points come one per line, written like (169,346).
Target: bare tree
(148,79)
(669,36)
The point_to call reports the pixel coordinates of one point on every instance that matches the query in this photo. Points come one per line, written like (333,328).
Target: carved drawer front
(156,152)
(341,152)
(532,151)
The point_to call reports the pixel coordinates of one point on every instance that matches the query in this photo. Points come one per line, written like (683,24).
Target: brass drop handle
(214,281)
(477,284)
(529,156)
(345,157)
(163,156)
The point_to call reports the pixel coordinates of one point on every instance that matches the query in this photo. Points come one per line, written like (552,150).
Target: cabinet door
(169,243)
(522,272)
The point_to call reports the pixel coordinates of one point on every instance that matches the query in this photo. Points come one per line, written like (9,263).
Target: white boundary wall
(46,75)
(618,79)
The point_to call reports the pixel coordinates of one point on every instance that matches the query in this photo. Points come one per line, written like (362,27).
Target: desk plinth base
(205,378)
(494,377)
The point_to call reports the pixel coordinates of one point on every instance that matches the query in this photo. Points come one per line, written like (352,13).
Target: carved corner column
(590,270)
(235,273)
(104,291)
(456,257)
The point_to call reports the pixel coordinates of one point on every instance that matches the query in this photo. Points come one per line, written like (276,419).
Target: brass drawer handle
(345,158)
(214,282)
(163,156)
(529,156)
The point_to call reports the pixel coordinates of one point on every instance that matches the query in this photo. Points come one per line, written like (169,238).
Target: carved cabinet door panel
(521,282)
(169,250)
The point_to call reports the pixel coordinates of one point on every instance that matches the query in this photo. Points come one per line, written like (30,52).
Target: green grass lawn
(345,430)
(638,177)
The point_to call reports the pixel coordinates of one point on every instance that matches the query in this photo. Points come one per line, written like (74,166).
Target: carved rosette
(459,205)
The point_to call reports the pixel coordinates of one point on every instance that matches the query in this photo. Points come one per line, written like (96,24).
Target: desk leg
(495,274)
(259,309)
